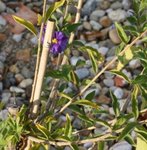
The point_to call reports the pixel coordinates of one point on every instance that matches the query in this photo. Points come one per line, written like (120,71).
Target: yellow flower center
(55,41)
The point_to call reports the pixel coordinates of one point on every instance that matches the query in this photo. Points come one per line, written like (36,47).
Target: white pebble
(17,37)
(123,145)
(103,50)
(108,82)
(118,92)
(2,21)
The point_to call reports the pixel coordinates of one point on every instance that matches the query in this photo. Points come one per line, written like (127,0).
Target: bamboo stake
(42,67)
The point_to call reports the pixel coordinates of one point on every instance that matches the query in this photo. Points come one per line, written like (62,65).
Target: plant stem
(102,71)
(42,67)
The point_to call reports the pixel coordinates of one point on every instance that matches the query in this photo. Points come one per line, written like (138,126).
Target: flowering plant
(51,122)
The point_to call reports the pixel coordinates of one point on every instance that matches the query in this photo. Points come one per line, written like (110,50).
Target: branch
(102,71)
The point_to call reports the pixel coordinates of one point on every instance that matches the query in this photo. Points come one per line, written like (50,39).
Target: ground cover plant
(39,125)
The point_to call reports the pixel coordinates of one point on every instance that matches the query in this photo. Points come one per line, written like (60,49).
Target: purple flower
(59,42)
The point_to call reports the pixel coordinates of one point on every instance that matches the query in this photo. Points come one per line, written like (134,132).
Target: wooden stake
(42,67)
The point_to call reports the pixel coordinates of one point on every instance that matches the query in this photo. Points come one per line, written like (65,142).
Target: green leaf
(74,147)
(121,74)
(53,8)
(103,123)
(90,95)
(86,119)
(121,33)
(129,127)
(26,24)
(43,130)
(140,79)
(65,96)
(39,19)
(84,102)
(68,127)
(135,102)
(141,143)
(130,140)
(94,56)
(115,104)
(101,145)
(71,27)
(142,132)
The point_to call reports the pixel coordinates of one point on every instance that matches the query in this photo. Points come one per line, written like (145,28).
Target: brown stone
(102,99)
(3,37)
(105,21)
(23,55)
(114,36)
(119,82)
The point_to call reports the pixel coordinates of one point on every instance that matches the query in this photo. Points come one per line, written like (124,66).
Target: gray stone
(93,45)
(82,73)
(88,145)
(116,5)
(5,97)
(103,50)
(119,93)
(121,145)
(16,89)
(4,114)
(114,36)
(17,37)
(19,77)
(26,72)
(108,82)
(25,83)
(2,6)
(95,15)
(95,25)
(135,63)
(126,4)
(1,86)
(75,59)
(34,40)
(2,21)
(1,67)
(118,15)
(88,7)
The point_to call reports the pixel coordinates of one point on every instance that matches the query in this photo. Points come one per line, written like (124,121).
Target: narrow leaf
(121,33)
(86,103)
(115,104)
(129,127)
(25,23)
(68,127)
(135,102)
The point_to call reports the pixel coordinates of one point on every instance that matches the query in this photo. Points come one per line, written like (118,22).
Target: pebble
(134,64)
(82,73)
(126,4)
(2,6)
(14,69)
(1,87)
(2,21)
(104,4)
(1,67)
(25,83)
(16,89)
(121,145)
(96,14)
(102,99)
(116,5)
(26,72)
(114,36)
(5,97)
(105,21)
(87,25)
(74,60)
(119,93)
(77,124)
(118,15)
(95,25)
(23,55)
(88,7)
(17,37)
(19,77)
(88,145)
(103,50)
(108,82)
(3,114)
(93,45)
(34,40)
